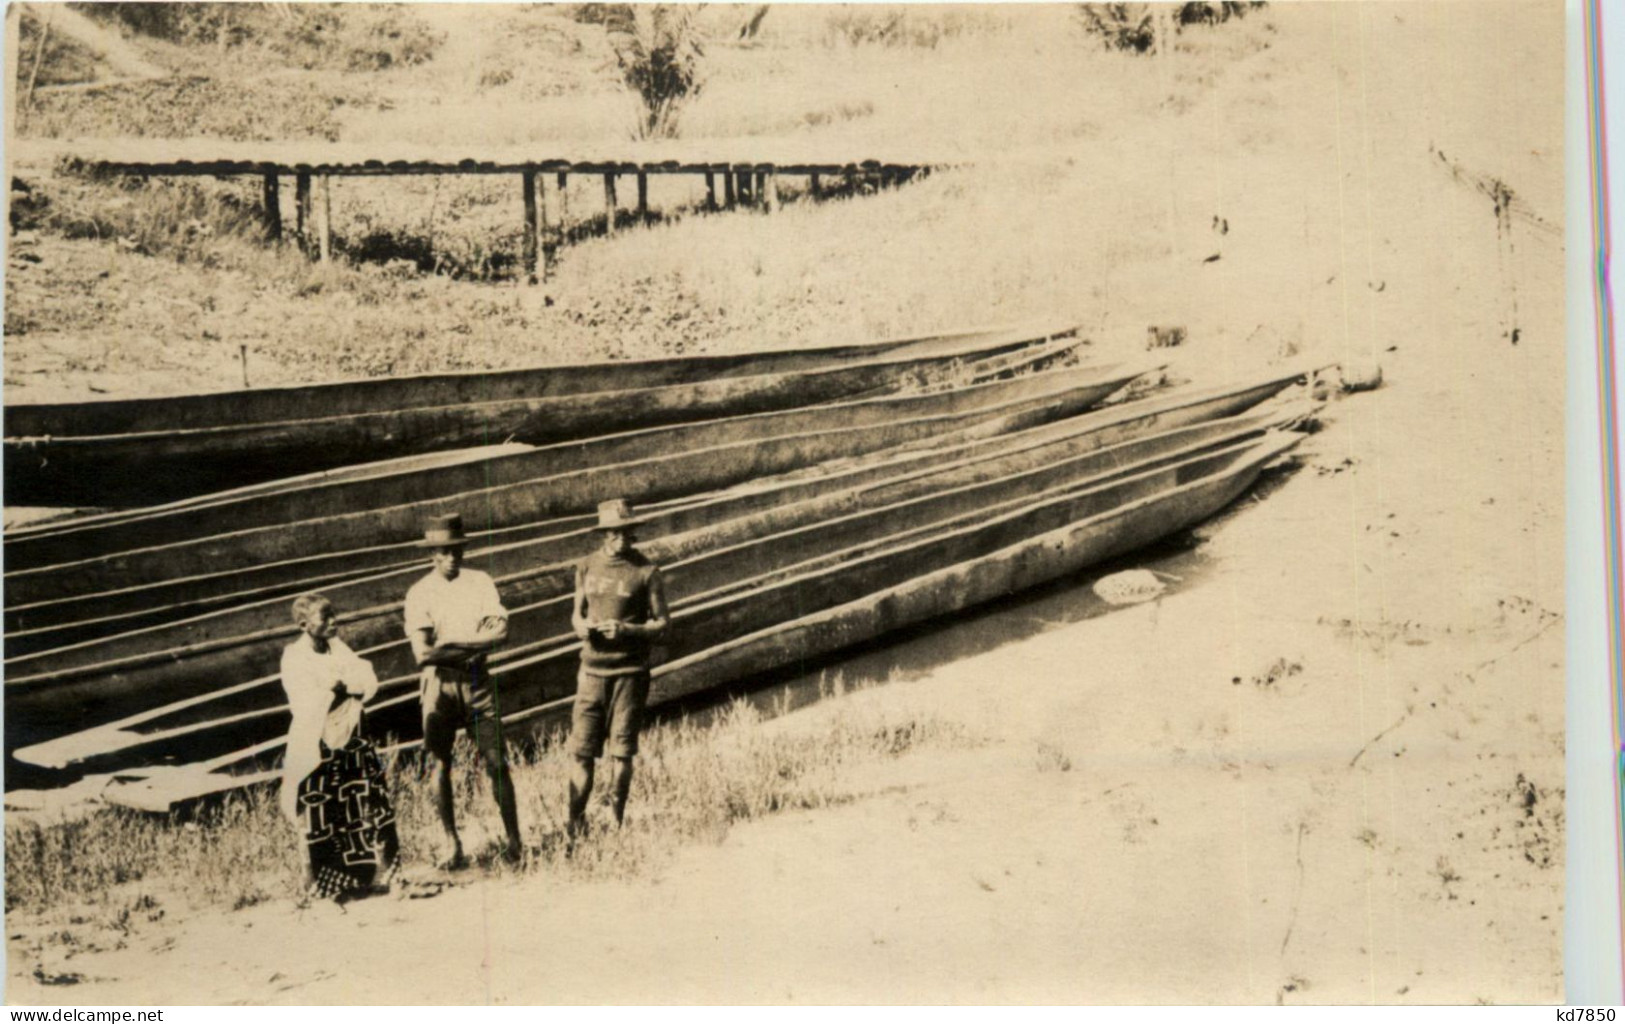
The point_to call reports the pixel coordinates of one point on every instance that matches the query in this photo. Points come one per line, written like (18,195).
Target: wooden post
(273,209)
(563,182)
(728,196)
(301,202)
(710,190)
(327,219)
(543,235)
(643,196)
(609,204)
(770,198)
(528,185)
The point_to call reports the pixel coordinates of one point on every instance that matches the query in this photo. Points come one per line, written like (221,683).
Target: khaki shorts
(453,699)
(608,707)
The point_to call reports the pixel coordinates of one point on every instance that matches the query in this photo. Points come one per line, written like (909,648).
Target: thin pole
(273,209)
(327,219)
(528,186)
(301,203)
(563,182)
(542,235)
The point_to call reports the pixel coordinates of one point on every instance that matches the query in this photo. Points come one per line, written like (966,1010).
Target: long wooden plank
(550,481)
(149,466)
(710,577)
(76,620)
(933,575)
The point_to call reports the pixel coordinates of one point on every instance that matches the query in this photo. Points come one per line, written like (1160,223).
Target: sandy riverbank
(1328,768)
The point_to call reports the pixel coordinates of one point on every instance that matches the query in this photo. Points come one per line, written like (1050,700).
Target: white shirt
(452,608)
(309,678)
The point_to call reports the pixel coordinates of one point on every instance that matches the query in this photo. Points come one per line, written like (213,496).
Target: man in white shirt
(454,618)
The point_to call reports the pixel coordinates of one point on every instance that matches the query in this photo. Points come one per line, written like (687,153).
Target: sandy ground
(1288,780)
(1328,767)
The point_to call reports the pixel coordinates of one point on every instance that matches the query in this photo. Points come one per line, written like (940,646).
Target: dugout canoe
(1028,563)
(897,586)
(144,467)
(257,603)
(550,481)
(703,565)
(381,394)
(980,370)
(380,573)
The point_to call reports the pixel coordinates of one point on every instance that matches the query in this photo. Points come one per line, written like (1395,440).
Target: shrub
(355,37)
(659,53)
(1131,26)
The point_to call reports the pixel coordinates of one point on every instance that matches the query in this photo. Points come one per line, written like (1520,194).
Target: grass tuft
(117,869)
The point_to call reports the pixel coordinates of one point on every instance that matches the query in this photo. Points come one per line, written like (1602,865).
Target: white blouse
(310,679)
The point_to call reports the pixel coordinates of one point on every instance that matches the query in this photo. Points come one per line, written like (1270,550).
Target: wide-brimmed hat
(444,532)
(616,515)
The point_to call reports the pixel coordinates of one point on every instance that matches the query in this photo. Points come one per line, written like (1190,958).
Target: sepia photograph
(526,504)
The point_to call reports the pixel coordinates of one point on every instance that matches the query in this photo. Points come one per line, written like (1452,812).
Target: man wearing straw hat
(454,618)
(619,611)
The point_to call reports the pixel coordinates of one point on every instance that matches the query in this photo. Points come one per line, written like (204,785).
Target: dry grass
(178,282)
(693,783)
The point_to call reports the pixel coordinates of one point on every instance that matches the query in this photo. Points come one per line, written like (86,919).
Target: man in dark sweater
(620,609)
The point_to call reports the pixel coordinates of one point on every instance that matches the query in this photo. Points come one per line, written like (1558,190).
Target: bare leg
(623,786)
(580,792)
(448,812)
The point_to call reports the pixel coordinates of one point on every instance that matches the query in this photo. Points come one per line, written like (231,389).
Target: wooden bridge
(730,180)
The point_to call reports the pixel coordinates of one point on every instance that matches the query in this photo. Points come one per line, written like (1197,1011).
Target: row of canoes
(779,546)
(141,451)
(833,602)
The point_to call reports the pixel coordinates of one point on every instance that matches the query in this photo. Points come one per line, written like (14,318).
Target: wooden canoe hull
(735,588)
(152,466)
(1029,560)
(80,618)
(379,394)
(717,520)
(1028,563)
(540,484)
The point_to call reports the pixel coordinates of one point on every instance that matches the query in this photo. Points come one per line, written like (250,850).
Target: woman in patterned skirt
(333,786)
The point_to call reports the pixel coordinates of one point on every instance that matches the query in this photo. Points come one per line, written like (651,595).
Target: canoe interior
(732,591)
(144,466)
(551,481)
(1030,560)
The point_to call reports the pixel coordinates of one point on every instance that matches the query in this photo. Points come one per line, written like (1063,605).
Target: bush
(659,53)
(1130,27)
(353,37)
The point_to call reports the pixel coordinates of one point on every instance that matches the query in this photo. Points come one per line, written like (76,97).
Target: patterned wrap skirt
(349,822)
